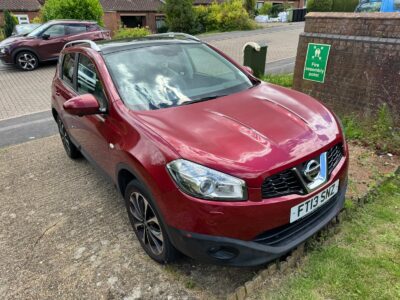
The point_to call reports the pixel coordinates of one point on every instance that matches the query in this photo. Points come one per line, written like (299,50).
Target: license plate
(301,210)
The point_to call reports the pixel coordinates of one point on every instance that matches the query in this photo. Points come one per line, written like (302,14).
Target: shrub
(228,16)
(319,5)
(9,22)
(201,15)
(72,9)
(125,33)
(2,37)
(344,5)
(250,6)
(37,20)
(180,15)
(265,9)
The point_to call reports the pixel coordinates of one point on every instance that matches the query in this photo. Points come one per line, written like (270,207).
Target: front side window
(55,31)
(89,82)
(162,76)
(68,68)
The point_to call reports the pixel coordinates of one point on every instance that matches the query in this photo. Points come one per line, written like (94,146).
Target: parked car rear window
(68,68)
(89,82)
(74,29)
(163,76)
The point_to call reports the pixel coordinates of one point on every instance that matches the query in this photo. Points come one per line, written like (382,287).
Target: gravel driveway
(64,233)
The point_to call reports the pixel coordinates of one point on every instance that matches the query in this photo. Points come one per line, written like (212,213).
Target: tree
(9,22)
(250,6)
(73,9)
(180,15)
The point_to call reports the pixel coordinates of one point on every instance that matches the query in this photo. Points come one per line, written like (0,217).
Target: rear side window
(74,29)
(93,27)
(89,81)
(68,68)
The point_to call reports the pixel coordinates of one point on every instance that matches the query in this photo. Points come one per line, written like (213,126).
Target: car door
(53,41)
(96,134)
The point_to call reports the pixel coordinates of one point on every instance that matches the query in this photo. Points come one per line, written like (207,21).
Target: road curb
(294,259)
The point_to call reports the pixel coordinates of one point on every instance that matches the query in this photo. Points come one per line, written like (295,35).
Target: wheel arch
(19,50)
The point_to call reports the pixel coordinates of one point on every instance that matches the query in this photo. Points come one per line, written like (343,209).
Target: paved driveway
(64,233)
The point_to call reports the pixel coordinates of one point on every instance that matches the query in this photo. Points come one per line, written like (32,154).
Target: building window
(133,21)
(23,19)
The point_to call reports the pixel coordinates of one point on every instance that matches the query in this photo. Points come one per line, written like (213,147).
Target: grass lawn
(361,262)
(285,80)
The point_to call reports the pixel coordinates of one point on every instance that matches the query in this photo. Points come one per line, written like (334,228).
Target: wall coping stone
(341,15)
(369,39)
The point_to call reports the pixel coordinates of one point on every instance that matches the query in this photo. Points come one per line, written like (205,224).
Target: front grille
(284,234)
(335,154)
(282,184)
(288,182)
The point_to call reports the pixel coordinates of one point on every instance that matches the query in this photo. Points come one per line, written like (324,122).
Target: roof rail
(92,44)
(174,35)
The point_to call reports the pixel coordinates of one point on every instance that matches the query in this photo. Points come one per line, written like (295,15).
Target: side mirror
(82,105)
(45,36)
(248,70)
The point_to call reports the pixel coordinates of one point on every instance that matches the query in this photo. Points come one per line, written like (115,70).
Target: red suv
(211,161)
(46,41)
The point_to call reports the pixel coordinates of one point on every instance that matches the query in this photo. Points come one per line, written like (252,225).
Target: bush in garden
(180,15)
(125,33)
(319,5)
(344,5)
(228,16)
(9,22)
(72,9)
(37,20)
(201,16)
(2,37)
(250,6)
(265,9)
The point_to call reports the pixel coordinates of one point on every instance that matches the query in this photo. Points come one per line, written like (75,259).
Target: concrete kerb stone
(291,261)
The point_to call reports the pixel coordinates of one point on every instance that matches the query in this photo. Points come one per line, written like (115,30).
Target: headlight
(202,182)
(2,50)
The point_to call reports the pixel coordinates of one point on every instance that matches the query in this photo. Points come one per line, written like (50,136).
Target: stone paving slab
(65,234)
(24,93)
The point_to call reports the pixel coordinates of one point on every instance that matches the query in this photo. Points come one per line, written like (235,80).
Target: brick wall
(363,70)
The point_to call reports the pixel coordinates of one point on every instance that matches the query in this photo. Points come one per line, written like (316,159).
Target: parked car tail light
(205,183)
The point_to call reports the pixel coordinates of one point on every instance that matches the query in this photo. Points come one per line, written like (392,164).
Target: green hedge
(319,5)
(344,5)
(126,33)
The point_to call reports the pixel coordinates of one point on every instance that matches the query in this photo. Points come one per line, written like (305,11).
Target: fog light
(223,253)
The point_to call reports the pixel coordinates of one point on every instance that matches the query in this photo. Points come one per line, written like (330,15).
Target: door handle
(58,93)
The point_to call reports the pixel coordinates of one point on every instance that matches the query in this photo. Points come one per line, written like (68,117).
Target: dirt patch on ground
(367,169)
(64,233)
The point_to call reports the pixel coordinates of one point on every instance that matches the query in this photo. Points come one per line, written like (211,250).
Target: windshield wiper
(203,99)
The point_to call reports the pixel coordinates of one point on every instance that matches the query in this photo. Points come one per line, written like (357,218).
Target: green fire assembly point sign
(316,62)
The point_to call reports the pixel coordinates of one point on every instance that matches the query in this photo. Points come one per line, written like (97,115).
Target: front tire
(147,224)
(27,61)
(71,150)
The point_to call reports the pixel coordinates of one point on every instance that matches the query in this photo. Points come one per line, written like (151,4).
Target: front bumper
(271,245)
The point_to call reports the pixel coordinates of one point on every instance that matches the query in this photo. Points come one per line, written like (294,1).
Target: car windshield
(162,76)
(26,28)
(37,31)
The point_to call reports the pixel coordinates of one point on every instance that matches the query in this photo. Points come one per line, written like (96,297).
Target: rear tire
(27,61)
(71,150)
(147,224)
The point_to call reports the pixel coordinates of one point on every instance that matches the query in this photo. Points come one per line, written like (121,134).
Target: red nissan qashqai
(211,161)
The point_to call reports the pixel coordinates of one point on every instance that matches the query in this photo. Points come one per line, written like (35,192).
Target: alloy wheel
(146,223)
(64,136)
(27,61)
